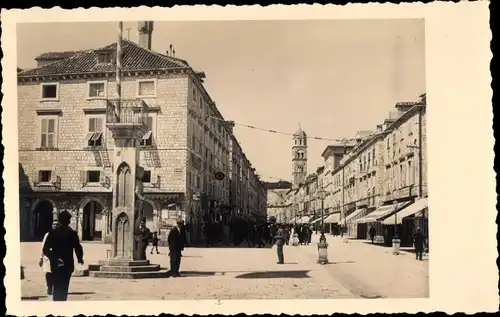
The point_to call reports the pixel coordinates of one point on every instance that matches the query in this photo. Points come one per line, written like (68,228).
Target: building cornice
(103,74)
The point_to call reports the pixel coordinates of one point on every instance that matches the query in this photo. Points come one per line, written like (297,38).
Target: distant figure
(141,236)
(59,248)
(372,232)
(154,241)
(280,241)
(175,246)
(44,262)
(419,242)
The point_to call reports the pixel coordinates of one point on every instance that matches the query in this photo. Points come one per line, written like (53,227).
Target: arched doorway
(43,214)
(93,221)
(147,210)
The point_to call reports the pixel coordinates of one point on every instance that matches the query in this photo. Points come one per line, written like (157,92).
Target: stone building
(65,147)
(276,199)
(370,180)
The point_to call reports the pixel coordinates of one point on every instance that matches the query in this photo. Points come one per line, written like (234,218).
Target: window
(97,89)
(146,88)
(146,177)
(194,94)
(95,131)
(105,58)
(147,138)
(50,91)
(48,133)
(93,176)
(201,103)
(44,176)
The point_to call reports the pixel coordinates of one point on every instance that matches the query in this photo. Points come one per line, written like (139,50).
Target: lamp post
(196,199)
(322,245)
(396,242)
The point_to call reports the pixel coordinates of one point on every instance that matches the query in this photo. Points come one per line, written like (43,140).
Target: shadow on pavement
(225,246)
(81,293)
(343,262)
(196,273)
(32,297)
(275,274)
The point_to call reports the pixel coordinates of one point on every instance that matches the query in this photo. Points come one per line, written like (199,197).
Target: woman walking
(45,263)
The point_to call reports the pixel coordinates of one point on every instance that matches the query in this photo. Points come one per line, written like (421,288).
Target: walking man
(418,242)
(175,246)
(154,242)
(372,233)
(280,241)
(45,262)
(59,248)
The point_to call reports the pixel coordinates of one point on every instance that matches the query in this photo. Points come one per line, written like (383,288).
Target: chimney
(145,29)
(380,128)
(403,107)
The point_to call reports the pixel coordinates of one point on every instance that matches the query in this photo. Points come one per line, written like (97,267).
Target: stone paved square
(357,270)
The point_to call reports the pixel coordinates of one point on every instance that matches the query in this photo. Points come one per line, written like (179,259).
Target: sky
(333,77)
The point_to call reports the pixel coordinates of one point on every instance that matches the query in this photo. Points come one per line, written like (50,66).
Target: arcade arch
(43,212)
(93,221)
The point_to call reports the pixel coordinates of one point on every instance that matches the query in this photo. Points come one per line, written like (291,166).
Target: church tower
(299,159)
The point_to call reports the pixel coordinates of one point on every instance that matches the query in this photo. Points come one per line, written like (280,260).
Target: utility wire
(344,140)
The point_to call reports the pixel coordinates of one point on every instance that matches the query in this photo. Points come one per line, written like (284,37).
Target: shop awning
(304,219)
(407,211)
(333,218)
(356,214)
(380,213)
(318,219)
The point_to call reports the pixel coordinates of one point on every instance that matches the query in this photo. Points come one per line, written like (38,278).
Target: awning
(304,219)
(379,213)
(318,219)
(356,214)
(407,211)
(333,218)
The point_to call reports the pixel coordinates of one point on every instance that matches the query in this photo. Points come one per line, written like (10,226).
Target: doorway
(43,214)
(93,221)
(147,212)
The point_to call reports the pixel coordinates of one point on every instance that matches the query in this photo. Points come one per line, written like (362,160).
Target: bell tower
(299,157)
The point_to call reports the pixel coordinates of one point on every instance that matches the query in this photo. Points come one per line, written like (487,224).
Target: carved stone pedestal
(129,269)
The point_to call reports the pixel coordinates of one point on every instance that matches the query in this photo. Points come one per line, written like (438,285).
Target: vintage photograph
(271,159)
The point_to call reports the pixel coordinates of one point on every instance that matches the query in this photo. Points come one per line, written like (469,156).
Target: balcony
(364,202)
(127,118)
(402,193)
(126,111)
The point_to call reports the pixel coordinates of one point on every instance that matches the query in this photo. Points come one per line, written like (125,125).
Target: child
(155,243)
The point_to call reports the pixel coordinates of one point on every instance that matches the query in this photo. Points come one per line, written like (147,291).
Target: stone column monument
(126,258)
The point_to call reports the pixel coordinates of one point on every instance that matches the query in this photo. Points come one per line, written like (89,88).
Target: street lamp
(396,242)
(322,245)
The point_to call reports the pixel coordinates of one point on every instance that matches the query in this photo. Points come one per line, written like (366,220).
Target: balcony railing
(130,111)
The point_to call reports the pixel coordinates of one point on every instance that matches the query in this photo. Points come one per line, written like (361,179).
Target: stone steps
(135,268)
(130,275)
(117,262)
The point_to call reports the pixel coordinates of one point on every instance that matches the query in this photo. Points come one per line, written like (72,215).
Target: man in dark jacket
(175,246)
(59,248)
(280,242)
(419,242)
(372,232)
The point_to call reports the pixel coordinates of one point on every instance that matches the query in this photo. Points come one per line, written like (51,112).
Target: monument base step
(134,268)
(120,262)
(130,275)
(80,273)
(94,267)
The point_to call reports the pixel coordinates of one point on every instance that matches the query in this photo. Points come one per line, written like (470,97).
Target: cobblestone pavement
(372,271)
(208,273)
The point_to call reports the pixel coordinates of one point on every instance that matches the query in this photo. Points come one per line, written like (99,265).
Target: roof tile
(134,58)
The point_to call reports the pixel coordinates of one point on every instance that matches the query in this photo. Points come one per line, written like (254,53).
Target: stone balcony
(126,111)
(127,117)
